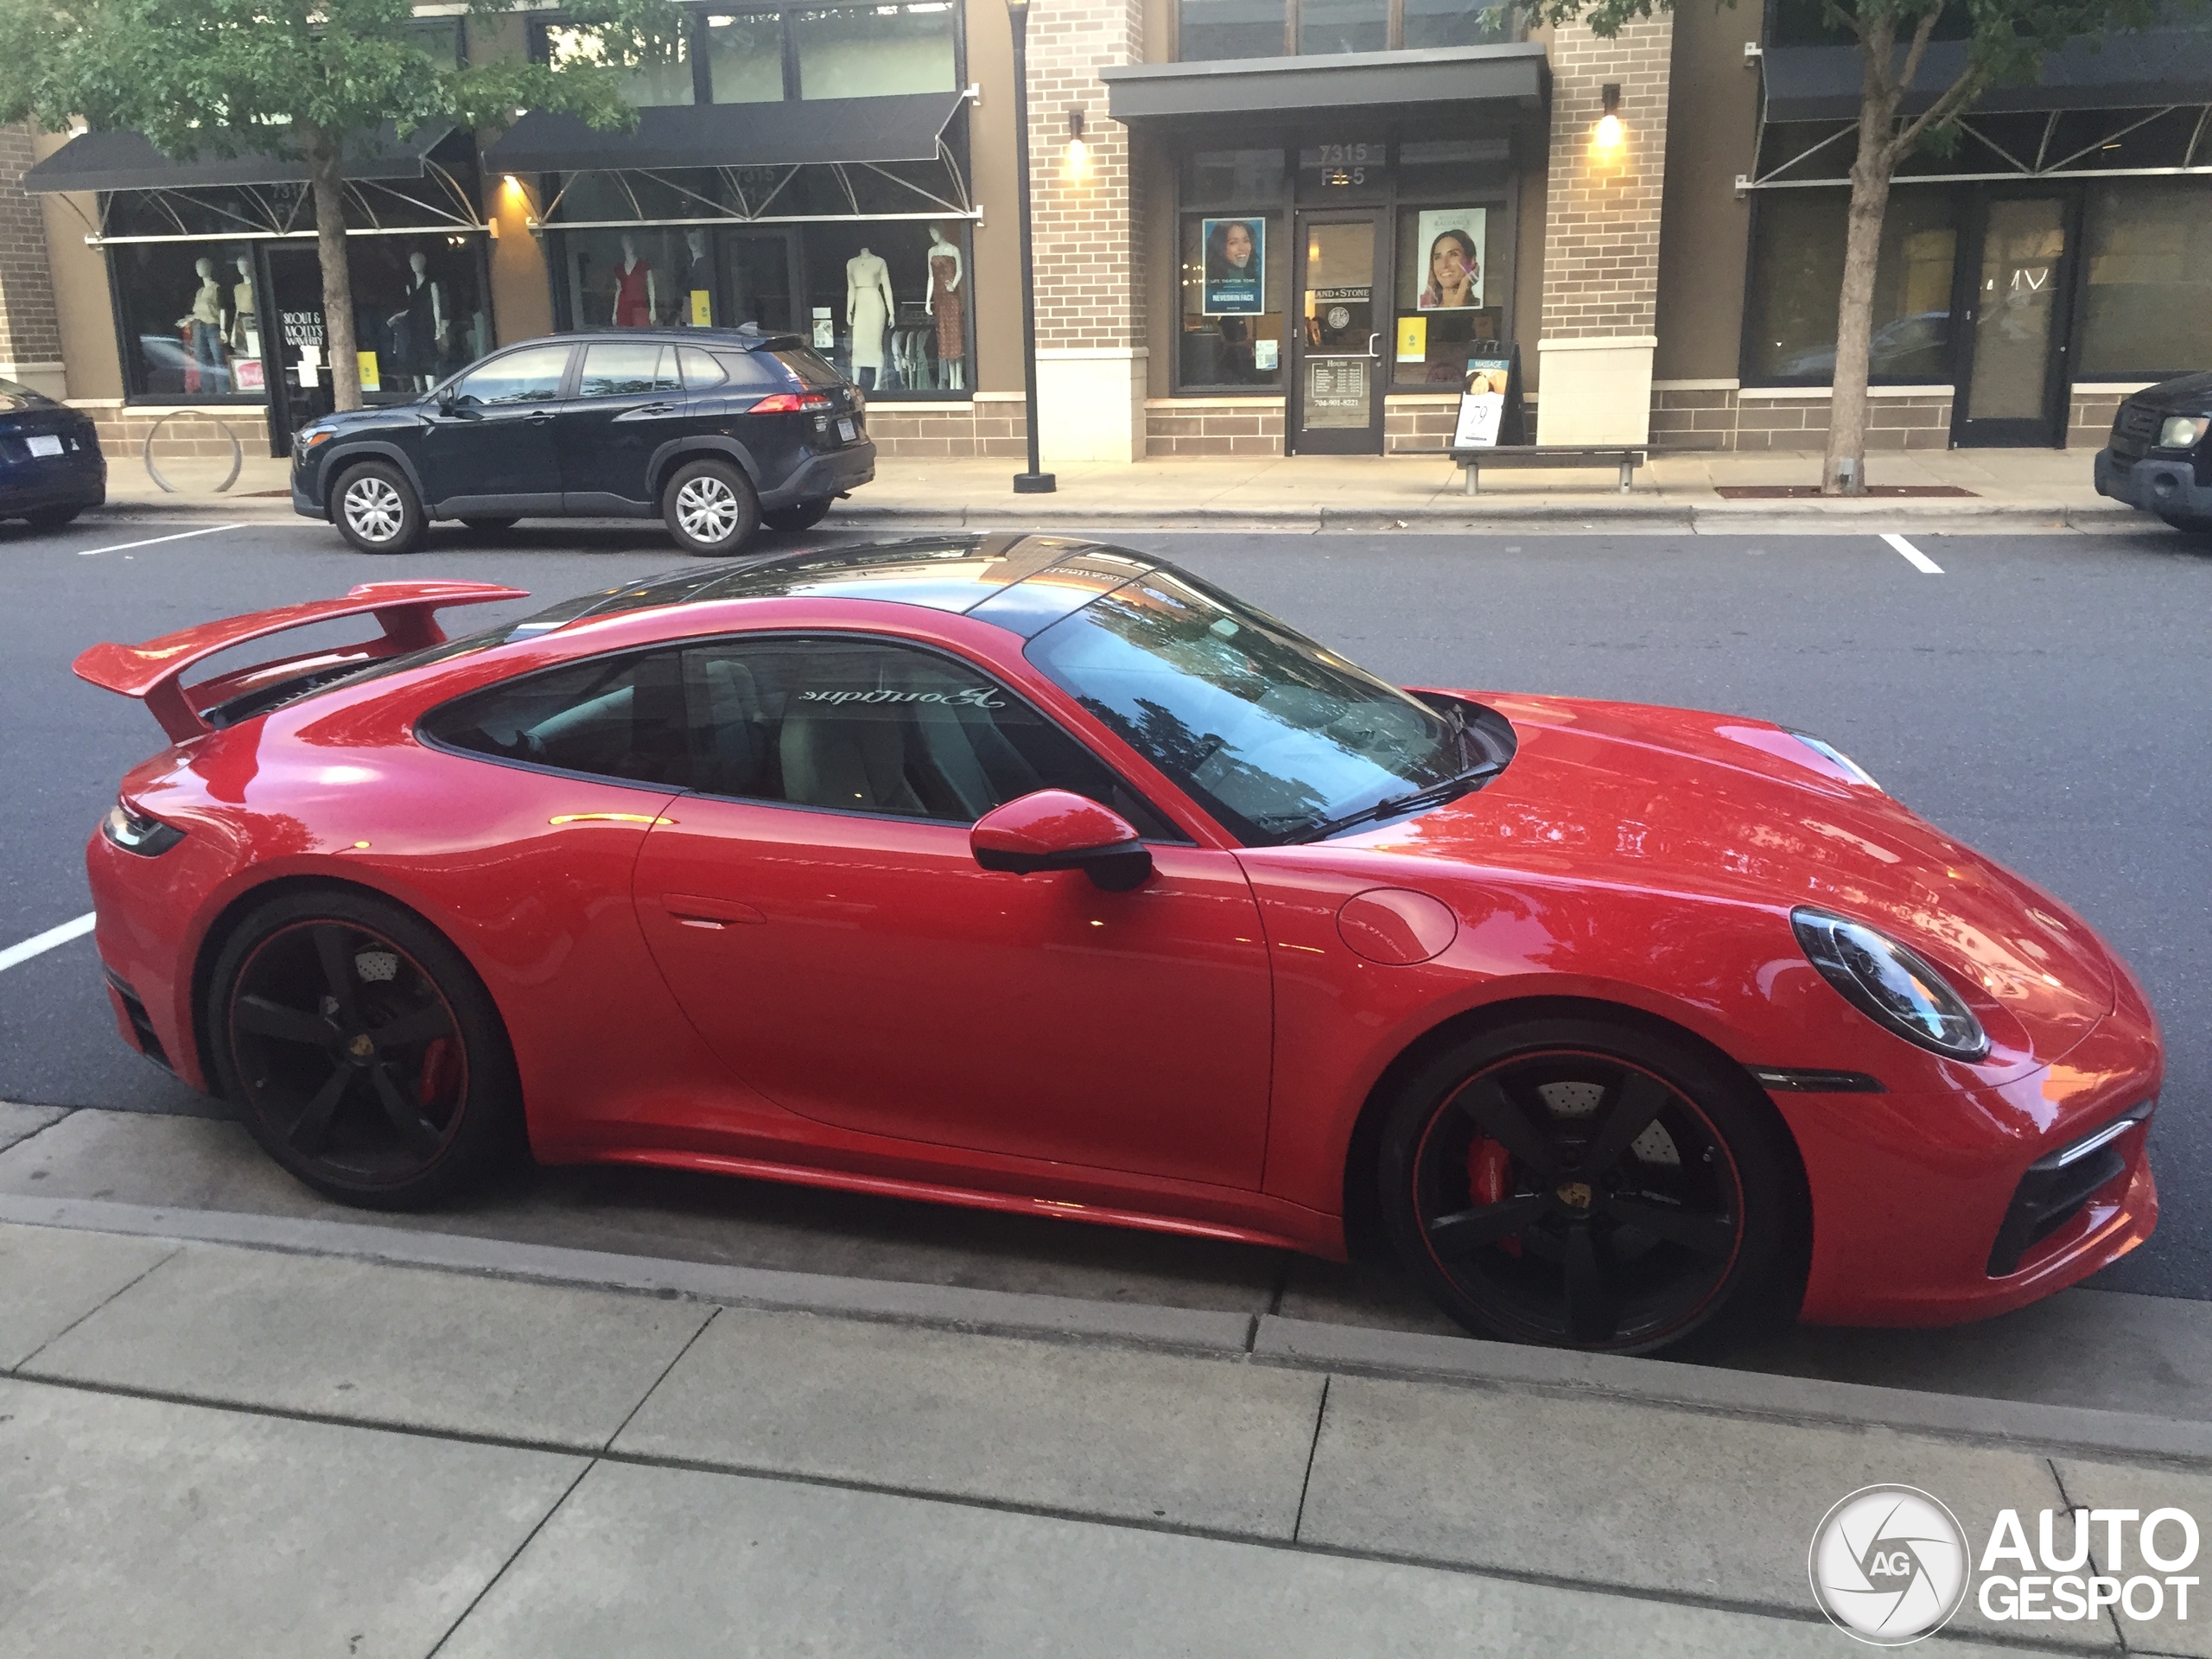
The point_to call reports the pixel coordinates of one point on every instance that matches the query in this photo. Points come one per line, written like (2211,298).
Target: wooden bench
(1471,461)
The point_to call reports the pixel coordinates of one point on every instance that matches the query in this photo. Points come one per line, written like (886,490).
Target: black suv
(716,430)
(2159,459)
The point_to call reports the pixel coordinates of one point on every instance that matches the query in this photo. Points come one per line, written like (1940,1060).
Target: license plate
(44,444)
(845,430)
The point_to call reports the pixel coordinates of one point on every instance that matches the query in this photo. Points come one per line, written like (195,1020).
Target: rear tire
(52,517)
(492,526)
(362,1052)
(709,508)
(1578,1183)
(800,515)
(376,509)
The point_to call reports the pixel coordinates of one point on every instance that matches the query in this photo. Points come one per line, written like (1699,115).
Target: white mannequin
(205,321)
(245,327)
(869,306)
(950,357)
(628,298)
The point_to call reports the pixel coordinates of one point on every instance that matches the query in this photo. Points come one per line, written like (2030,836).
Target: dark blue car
(51,468)
(715,431)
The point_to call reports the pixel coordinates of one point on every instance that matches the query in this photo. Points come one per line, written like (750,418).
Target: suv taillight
(789,403)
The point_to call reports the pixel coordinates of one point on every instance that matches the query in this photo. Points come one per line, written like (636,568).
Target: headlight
(1829,751)
(1889,984)
(2182,431)
(135,833)
(315,436)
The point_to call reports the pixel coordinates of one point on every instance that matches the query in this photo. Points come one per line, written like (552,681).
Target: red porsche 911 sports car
(1040,876)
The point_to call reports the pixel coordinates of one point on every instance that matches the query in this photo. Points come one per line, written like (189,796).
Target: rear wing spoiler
(154,672)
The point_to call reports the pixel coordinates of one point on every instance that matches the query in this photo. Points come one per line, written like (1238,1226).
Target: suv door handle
(646,411)
(538,417)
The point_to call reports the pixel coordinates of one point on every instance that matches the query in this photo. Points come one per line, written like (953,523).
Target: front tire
(800,515)
(709,507)
(376,509)
(1581,1183)
(492,526)
(362,1052)
(52,517)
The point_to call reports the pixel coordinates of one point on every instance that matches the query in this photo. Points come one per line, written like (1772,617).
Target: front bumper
(1916,1199)
(2156,484)
(832,473)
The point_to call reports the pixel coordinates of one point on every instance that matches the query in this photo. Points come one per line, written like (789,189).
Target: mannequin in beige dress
(869,307)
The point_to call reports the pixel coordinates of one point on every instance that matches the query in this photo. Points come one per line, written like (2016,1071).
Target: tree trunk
(322,153)
(1843,469)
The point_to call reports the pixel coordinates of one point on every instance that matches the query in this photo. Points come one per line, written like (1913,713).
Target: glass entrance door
(1336,406)
(763,280)
(2013,387)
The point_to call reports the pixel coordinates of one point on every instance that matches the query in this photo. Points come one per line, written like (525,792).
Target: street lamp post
(1033,482)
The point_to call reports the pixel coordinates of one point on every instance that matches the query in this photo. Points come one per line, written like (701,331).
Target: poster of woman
(1236,270)
(1453,275)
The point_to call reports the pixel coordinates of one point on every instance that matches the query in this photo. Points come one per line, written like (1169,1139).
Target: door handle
(695,909)
(1371,340)
(538,418)
(646,409)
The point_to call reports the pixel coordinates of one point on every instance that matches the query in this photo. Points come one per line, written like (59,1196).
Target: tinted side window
(619,717)
(622,368)
(529,376)
(873,727)
(808,369)
(751,369)
(700,369)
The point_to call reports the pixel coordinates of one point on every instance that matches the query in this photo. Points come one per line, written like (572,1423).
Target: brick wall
(31,330)
(1601,226)
(1716,418)
(1087,225)
(992,424)
(187,435)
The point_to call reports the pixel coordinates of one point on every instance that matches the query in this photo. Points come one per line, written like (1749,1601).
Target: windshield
(1274,734)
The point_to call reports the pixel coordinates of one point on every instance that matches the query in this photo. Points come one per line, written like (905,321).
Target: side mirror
(1056,829)
(445,399)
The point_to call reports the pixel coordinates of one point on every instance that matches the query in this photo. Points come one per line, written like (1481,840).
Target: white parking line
(182,534)
(1914,557)
(39,942)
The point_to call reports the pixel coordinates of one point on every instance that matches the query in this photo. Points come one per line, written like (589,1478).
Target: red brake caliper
(437,1069)
(1490,1167)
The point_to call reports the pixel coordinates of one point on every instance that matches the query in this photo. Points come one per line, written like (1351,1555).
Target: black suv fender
(674,453)
(343,455)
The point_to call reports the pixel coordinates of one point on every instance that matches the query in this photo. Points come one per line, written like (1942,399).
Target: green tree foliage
(2006,43)
(310,80)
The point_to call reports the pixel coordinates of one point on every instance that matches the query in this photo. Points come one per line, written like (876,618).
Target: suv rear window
(811,371)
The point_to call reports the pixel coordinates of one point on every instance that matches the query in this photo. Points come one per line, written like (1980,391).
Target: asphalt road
(2046,699)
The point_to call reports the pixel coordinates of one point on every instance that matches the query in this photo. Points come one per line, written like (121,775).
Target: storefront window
(191,327)
(1455,22)
(1328,25)
(648,86)
(1797,279)
(651,277)
(1230,28)
(1235,276)
(887,301)
(876,51)
(745,57)
(1451,293)
(2147,281)
(419,311)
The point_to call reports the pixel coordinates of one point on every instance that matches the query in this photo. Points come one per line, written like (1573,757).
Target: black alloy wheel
(1582,1186)
(800,515)
(492,526)
(361,1051)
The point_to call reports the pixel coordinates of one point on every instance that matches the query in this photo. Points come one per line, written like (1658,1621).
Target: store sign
(1348,166)
(1489,401)
(1236,262)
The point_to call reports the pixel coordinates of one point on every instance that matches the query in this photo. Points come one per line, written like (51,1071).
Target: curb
(1713,517)
(1269,1338)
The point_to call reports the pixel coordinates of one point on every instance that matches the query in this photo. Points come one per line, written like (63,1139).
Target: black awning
(2151,70)
(905,128)
(128,161)
(1405,85)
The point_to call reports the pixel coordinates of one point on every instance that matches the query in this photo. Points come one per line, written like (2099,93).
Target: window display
(190,327)
(896,297)
(1449,303)
(1232,312)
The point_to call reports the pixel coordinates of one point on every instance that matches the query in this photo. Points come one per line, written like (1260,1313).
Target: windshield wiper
(1390,806)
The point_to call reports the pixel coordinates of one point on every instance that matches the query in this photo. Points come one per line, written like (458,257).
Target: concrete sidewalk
(291,1449)
(2012,490)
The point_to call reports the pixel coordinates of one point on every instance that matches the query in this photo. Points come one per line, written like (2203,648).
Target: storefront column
(30,328)
(1601,233)
(1091,352)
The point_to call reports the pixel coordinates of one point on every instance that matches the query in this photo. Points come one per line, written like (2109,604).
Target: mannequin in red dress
(634,289)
